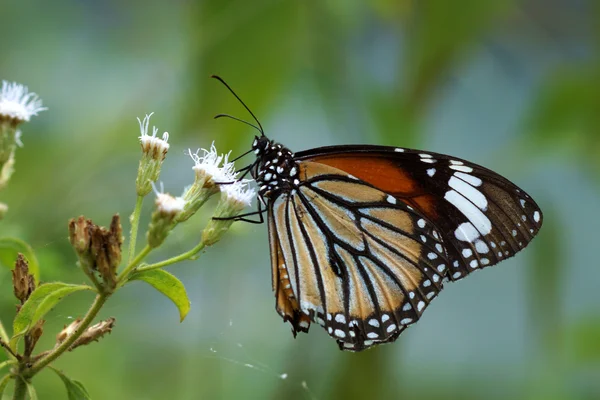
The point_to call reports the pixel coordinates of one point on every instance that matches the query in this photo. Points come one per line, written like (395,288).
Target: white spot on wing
(466,232)
(374,322)
(399,150)
(473,180)
(475,216)
(391,199)
(462,168)
(340,333)
(468,191)
(481,247)
(431,172)
(536,216)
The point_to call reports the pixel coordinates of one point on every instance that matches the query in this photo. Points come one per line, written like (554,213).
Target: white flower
(212,167)
(238,194)
(16,102)
(168,204)
(164,217)
(153,145)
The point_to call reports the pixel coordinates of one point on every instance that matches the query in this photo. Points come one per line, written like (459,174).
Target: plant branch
(122,278)
(135,222)
(64,346)
(20,388)
(8,349)
(182,257)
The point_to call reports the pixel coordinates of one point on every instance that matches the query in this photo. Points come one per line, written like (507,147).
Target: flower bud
(94,333)
(80,234)
(163,218)
(98,248)
(234,198)
(67,331)
(154,151)
(35,334)
(209,170)
(23,282)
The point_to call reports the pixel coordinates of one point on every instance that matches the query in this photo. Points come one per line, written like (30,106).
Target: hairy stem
(20,388)
(135,222)
(182,257)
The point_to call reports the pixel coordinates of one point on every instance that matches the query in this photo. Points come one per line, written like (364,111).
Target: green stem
(122,278)
(64,346)
(182,257)
(135,222)
(20,388)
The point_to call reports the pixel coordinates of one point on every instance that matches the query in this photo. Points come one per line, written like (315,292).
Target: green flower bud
(154,151)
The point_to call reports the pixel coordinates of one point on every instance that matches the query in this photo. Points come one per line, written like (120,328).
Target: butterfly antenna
(242,155)
(237,119)
(260,128)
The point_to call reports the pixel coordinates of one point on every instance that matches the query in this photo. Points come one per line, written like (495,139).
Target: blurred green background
(513,85)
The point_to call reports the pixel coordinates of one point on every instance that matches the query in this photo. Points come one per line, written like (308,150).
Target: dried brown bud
(115,242)
(99,249)
(23,282)
(94,333)
(67,331)
(34,335)
(79,234)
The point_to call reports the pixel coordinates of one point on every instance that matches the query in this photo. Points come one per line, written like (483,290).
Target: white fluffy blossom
(238,193)
(153,145)
(210,167)
(16,102)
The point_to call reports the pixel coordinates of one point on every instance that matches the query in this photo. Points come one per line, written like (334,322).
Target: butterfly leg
(242,217)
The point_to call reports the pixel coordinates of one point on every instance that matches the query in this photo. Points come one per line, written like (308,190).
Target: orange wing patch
(379,172)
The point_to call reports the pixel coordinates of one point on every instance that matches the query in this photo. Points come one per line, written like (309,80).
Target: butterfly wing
(483,217)
(352,258)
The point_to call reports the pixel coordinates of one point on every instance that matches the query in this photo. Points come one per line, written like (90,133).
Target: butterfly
(363,238)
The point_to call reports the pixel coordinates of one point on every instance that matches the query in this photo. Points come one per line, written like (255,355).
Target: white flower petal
(17,102)
(152,143)
(239,192)
(216,167)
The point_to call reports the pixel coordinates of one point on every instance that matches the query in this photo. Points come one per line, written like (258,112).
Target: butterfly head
(276,171)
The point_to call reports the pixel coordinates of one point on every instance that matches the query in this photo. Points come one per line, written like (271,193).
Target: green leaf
(3,383)
(10,247)
(31,391)
(40,302)
(168,285)
(75,389)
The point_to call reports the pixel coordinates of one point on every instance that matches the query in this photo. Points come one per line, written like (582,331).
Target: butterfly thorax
(276,170)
